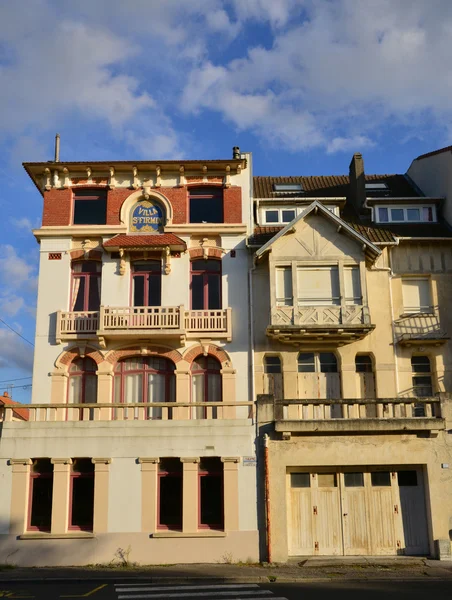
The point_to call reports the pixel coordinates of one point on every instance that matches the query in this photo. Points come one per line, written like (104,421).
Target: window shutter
(318,286)
(352,285)
(284,293)
(416,295)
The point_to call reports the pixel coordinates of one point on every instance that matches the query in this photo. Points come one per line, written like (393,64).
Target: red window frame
(207,373)
(33,477)
(121,373)
(83,375)
(74,476)
(161,475)
(206,273)
(87,276)
(207,473)
(146,275)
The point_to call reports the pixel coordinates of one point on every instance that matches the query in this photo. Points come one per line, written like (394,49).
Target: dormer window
(405,214)
(281,215)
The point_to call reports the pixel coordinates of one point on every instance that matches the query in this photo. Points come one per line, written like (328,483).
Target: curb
(262,579)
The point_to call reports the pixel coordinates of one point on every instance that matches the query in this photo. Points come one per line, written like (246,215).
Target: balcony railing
(346,415)
(155,411)
(420,326)
(125,320)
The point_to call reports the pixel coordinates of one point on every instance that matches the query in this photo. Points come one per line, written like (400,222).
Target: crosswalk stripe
(140,587)
(195,594)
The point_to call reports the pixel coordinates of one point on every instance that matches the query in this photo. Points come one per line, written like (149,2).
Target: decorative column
(104,395)
(231,492)
(182,393)
(19,494)
(228,393)
(58,394)
(60,496)
(190,495)
(149,474)
(101,493)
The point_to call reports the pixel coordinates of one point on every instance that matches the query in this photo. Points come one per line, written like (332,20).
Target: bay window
(318,286)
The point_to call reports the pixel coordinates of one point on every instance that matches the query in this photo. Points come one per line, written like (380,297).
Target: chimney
(236,152)
(357,181)
(57,147)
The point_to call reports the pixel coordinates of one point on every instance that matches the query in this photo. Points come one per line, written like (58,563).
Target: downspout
(251,331)
(267,499)
(394,341)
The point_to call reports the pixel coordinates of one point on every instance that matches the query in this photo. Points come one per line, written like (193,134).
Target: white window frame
(298,209)
(405,208)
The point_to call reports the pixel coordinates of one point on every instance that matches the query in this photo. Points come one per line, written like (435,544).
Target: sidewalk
(310,569)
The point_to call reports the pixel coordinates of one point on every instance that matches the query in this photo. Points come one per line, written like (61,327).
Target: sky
(302,84)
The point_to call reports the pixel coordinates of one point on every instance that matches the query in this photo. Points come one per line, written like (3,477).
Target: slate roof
(141,240)
(338,186)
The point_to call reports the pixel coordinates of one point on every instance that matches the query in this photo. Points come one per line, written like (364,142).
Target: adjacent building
(352,354)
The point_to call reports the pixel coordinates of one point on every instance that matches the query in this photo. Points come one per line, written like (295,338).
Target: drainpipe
(394,341)
(251,331)
(267,499)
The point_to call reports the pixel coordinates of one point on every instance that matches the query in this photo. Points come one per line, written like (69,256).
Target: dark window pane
(420,364)
(197,292)
(80,300)
(288,216)
(363,364)
(90,207)
(210,464)
(155,290)
(407,478)
(206,210)
(42,465)
(138,290)
(383,215)
(147,266)
(214,292)
(354,479)
(212,500)
(300,480)
(328,362)
(422,387)
(170,501)
(397,214)
(82,502)
(206,265)
(170,465)
(271,216)
(94,293)
(380,478)
(272,364)
(82,465)
(90,267)
(306,363)
(41,502)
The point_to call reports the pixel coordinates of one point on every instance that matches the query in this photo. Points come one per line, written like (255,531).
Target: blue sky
(301,83)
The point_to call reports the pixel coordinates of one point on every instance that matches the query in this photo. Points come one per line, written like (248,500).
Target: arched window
(206,382)
(206,284)
(146,379)
(86,281)
(147,283)
(83,381)
(363,363)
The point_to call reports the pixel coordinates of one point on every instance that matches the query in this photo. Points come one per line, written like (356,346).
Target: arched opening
(206,386)
(83,384)
(147,380)
(273,378)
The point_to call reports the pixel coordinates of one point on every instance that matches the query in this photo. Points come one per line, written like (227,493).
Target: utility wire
(17,379)
(17,333)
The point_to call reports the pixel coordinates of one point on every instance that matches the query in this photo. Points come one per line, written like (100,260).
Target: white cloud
(15,272)
(23,223)
(340,74)
(11,304)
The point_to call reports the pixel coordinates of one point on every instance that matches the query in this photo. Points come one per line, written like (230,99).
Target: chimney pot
(235,152)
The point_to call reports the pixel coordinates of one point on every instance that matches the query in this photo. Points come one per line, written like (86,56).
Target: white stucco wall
(5,495)
(124,502)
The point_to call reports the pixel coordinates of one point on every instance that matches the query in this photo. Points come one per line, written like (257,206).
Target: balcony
(155,411)
(420,327)
(130,322)
(369,415)
(321,324)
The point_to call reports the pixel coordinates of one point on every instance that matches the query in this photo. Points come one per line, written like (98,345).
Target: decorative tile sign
(249,461)
(146,216)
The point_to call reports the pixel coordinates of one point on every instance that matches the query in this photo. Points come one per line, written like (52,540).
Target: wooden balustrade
(139,317)
(139,411)
(77,323)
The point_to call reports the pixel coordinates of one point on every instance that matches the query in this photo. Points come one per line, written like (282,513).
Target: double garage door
(356,512)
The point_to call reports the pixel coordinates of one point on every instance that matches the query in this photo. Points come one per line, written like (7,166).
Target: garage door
(357,512)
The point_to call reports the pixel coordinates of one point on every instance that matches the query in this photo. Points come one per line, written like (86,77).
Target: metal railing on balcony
(139,411)
(423,326)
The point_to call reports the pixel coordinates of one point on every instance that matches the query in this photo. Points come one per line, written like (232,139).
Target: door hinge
(316,545)
(314,509)
(396,509)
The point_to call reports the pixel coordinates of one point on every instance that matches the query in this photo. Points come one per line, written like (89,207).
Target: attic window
(405,214)
(376,186)
(287,187)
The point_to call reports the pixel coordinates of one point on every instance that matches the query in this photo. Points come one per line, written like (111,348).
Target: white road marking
(195,594)
(125,587)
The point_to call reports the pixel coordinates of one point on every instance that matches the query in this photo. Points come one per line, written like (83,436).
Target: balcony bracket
(286,435)
(102,342)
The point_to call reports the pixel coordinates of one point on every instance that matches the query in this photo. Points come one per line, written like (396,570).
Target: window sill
(208,533)
(41,535)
